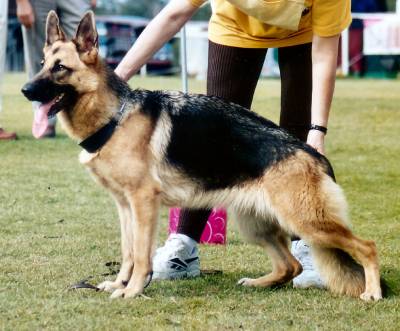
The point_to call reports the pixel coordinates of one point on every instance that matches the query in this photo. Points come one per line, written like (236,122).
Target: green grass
(58,227)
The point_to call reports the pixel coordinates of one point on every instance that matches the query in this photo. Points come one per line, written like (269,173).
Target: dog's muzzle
(28,90)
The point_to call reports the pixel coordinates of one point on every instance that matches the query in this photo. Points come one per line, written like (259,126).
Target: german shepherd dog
(147,147)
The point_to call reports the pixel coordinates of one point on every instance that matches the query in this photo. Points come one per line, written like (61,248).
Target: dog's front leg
(144,205)
(126,222)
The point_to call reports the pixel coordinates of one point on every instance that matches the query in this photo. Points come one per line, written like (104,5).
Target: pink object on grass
(215,230)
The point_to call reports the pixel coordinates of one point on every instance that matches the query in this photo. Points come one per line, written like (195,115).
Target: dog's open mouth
(52,107)
(44,112)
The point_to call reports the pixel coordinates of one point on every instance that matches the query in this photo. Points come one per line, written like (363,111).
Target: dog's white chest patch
(85,157)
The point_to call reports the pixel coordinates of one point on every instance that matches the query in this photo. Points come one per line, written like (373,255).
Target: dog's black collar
(98,139)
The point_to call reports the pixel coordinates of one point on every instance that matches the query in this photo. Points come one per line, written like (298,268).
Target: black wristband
(319,128)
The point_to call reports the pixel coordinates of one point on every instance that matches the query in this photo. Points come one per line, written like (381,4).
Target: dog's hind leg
(334,246)
(314,208)
(144,203)
(325,243)
(284,266)
(126,223)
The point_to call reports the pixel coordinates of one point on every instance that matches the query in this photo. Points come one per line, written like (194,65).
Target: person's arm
(324,62)
(161,29)
(25,13)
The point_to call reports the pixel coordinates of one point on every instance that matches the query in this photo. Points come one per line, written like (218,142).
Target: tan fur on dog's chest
(126,159)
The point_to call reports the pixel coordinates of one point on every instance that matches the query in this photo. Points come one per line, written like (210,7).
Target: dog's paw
(110,286)
(246,282)
(125,293)
(370,296)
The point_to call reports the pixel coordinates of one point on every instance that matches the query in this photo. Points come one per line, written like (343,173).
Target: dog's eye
(58,67)
(42,63)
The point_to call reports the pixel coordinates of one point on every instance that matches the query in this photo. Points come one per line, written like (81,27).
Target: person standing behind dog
(32,14)
(4,135)
(306,34)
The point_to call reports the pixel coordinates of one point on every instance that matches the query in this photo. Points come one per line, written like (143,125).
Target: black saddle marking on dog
(220,144)
(223,144)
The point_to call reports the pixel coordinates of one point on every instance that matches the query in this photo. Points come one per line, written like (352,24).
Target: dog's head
(69,66)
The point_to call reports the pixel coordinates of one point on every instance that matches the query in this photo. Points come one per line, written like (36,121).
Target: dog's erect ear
(53,30)
(86,38)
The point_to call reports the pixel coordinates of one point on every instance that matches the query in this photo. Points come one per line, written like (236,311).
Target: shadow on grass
(389,282)
(224,285)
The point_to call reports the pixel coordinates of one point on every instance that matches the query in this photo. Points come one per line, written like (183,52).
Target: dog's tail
(339,271)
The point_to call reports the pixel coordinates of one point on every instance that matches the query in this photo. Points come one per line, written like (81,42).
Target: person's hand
(93,4)
(25,13)
(316,139)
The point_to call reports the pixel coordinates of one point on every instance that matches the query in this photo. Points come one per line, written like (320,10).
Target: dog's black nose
(27,90)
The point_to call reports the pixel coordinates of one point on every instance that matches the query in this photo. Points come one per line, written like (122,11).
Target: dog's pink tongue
(40,121)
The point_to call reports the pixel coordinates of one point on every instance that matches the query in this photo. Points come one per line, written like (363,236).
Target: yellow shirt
(231,27)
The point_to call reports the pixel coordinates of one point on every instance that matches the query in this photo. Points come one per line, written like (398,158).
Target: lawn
(58,227)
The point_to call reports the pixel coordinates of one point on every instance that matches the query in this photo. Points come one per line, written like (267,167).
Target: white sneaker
(176,259)
(310,276)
